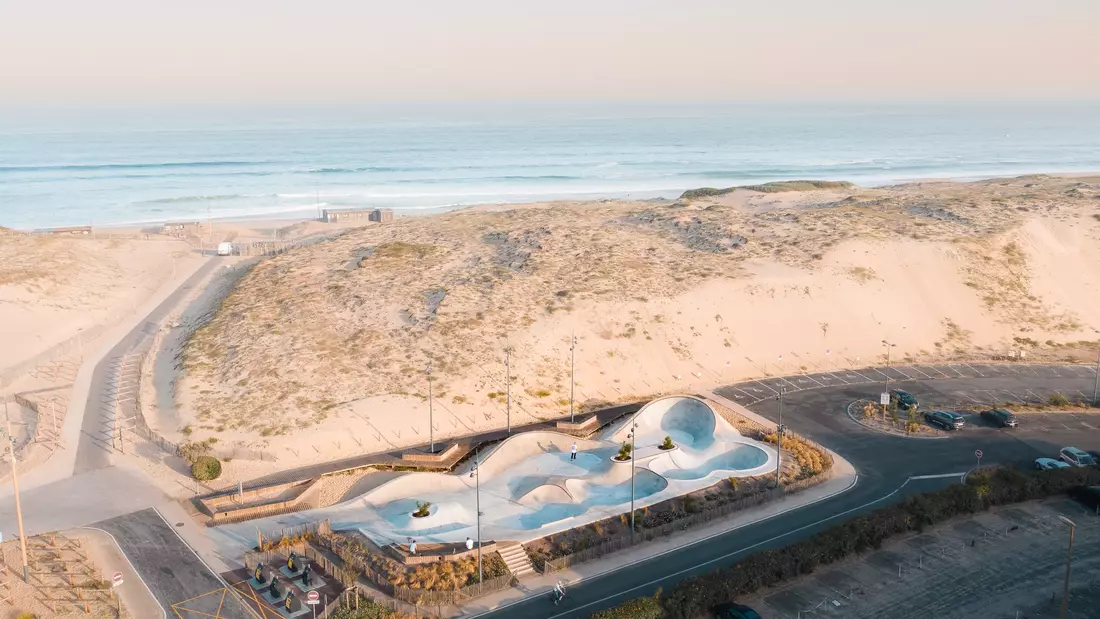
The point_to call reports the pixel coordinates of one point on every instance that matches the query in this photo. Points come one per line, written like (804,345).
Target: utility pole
(508,388)
(431,427)
(1069,557)
(779,430)
(888,346)
(633,439)
(15,487)
(476,474)
(1096,382)
(209,222)
(572,366)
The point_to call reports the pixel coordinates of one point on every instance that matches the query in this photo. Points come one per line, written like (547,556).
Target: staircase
(515,557)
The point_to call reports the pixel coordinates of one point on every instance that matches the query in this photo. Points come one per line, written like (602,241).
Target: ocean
(122,165)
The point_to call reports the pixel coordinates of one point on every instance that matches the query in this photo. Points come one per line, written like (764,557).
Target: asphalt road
(816,407)
(173,572)
(90,453)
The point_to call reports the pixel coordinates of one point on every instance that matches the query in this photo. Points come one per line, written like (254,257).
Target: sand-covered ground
(321,352)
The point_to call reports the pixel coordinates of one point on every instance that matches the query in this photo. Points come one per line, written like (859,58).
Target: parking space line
(1038,398)
(955,370)
(834,375)
(810,376)
(884,374)
(1084,398)
(1087,426)
(1065,426)
(941,372)
(967,396)
(980,375)
(921,372)
(1013,395)
(862,375)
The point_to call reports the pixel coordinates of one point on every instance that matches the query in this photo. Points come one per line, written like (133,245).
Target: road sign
(978,453)
(116,580)
(884,398)
(313,598)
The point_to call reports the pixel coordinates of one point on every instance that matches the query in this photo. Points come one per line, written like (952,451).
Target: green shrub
(1059,400)
(639,608)
(206,468)
(25,616)
(624,452)
(365,608)
(422,509)
(667,443)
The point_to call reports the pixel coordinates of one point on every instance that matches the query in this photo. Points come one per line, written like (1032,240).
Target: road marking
(884,374)
(1038,398)
(898,370)
(838,377)
(1087,426)
(164,613)
(980,375)
(722,558)
(956,370)
(1022,401)
(922,372)
(967,396)
(940,476)
(863,376)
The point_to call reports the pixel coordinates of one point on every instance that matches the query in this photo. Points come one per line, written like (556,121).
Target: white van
(225,249)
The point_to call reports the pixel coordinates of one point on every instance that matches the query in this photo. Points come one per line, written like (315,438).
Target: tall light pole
(1096,382)
(508,388)
(888,346)
(431,426)
(476,474)
(572,348)
(633,438)
(15,487)
(1069,556)
(779,429)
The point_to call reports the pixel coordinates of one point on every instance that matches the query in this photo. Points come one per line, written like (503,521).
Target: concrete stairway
(515,557)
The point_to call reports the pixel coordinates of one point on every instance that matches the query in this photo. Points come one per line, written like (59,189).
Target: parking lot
(752,392)
(991,565)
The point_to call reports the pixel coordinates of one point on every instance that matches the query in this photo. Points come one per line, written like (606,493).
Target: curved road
(815,406)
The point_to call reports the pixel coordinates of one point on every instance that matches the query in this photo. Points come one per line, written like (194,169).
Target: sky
(356,51)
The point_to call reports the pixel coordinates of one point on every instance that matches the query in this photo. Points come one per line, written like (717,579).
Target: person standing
(573,451)
(469,543)
(412,547)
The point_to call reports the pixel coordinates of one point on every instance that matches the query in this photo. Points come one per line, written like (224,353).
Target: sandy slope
(335,337)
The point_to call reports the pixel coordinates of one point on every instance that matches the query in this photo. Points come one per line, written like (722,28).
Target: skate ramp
(688,420)
(740,458)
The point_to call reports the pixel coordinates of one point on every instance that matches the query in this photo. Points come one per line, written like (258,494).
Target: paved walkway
(843,478)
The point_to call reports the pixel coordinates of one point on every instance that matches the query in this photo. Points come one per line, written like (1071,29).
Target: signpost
(313,599)
(884,398)
(978,454)
(116,579)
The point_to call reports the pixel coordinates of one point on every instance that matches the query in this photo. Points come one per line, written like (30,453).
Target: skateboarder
(573,451)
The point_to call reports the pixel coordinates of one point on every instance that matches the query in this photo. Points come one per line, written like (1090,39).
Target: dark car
(903,399)
(735,611)
(945,419)
(1000,417)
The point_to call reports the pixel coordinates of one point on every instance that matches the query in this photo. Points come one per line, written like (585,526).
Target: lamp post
(508,388)
(1069,556)
(476,474)
(779,430)
(1096,382)
(888,346)
(572,365)
(431,426)
(15,488)
(633,439)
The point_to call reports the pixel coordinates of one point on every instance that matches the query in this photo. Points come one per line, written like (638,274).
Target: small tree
(422,509)
(206,468)
(869,410)
(667,443)
(624,452)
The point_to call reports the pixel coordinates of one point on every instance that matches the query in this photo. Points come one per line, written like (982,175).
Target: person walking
(573,451)
(412,546)
(469,543)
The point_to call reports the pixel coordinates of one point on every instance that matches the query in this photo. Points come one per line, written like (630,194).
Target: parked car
(1044,464)
(735,611)
(1075,457)
(903,399)
(1089,496)
(947,420)
(1000,417)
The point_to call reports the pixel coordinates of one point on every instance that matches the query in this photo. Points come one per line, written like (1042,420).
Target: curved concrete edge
(848,410)
(108,557)
(644,413)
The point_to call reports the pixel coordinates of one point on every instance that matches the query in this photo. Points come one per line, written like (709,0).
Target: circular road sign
(978,452)
(313,597)
(116,579)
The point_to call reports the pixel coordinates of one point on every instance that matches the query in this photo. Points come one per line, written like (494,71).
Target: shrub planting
(206,468)
(810,460)
(693,596)
(640,608)
(422,509)
(624,452)
(667,443)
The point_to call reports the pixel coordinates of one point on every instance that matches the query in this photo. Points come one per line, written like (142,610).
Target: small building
(72,230)
(382,215)
(341,215)
(181,228)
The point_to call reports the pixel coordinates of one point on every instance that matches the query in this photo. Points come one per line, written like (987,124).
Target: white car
(1076,457)
(1044,464)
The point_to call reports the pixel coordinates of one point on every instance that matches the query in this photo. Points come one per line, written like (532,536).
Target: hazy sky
(343,51)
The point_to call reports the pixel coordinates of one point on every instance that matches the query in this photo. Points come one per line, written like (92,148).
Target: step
(515,557)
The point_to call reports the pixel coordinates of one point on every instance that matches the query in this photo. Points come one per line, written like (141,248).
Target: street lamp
(572,366)
(476,474)
(1096,382)
(15,487)
(431,426)
(888,346)
(508,388)
(1069,555)
(633,438)
(779,430)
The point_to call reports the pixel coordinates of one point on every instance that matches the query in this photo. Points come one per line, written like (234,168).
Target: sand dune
(336,337)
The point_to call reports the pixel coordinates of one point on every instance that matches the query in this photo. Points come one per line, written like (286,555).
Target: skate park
(529,485)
